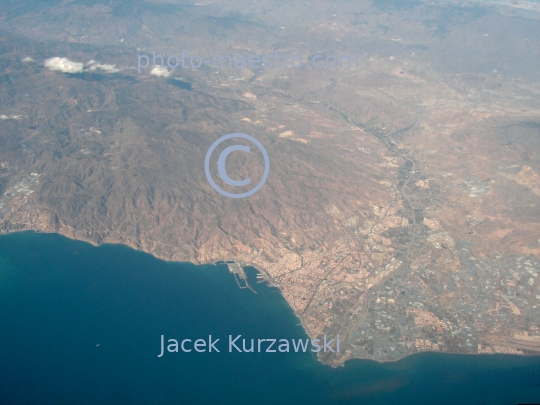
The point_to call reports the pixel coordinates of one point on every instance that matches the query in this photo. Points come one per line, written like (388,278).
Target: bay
(82,324)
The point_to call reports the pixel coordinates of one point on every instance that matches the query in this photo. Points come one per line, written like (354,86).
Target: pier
(240,276)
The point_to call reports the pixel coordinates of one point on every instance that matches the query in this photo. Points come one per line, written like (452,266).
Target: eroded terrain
(402,209)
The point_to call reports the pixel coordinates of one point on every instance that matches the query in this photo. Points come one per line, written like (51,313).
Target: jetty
(239,275)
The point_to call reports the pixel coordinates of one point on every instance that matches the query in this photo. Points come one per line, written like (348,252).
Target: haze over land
(402,207)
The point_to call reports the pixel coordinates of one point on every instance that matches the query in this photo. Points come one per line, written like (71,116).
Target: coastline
(269,281)
(121,300)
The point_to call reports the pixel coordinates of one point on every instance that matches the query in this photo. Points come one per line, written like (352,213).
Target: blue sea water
(82,325)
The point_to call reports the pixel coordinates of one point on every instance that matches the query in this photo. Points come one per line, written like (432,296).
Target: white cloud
(160,72)
(64,65)
(4,117)
(67,66)
(93,66)
(28,59)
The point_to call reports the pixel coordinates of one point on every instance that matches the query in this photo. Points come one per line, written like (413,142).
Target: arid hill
(402,207)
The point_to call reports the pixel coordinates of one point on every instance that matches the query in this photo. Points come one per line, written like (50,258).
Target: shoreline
(270,283)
